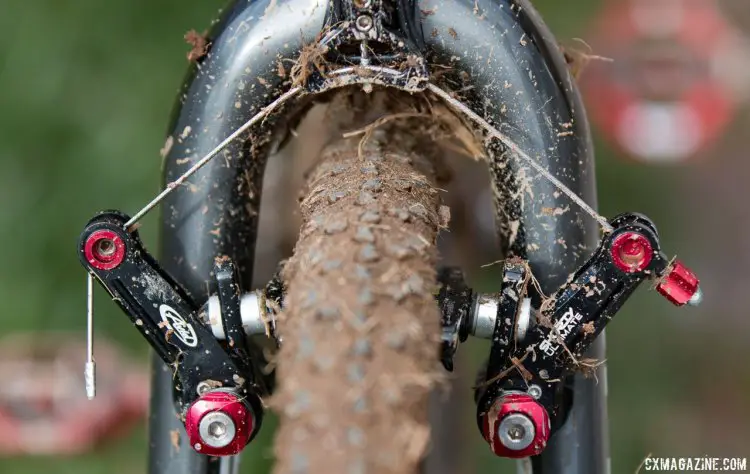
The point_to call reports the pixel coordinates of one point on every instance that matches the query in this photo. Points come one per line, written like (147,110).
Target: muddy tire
(360,323)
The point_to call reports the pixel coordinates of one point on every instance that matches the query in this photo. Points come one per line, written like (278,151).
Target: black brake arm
(164,314)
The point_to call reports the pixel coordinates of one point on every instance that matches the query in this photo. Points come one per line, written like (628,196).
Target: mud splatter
(199,45)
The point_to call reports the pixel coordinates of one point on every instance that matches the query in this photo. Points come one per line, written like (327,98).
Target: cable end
(90,377)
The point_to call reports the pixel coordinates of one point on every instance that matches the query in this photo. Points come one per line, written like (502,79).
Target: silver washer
(484,317)
(524,319)
(516,431)
(217,429)
(250,312)
(214,318)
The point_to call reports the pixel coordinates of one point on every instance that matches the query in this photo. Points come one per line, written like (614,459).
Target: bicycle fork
(536,341)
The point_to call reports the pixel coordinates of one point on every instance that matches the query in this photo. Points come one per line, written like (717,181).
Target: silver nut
(217,429)
(535,391)
(364,23)
(516,431)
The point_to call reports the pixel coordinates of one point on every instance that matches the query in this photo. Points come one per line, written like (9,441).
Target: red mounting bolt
(516,426)
(680,286)
(104,249)
(631,252)
(219,423)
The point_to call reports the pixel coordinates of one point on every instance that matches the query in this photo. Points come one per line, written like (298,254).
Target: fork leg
(522,85)
(169,451)
(586,429)
(217,213)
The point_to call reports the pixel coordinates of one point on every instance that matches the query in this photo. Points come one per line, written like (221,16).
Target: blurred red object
(43,405)
(668,77)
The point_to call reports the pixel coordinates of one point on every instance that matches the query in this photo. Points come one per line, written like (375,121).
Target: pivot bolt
(631,252)
(516,431)
(516,426)
(104,249)
(219,423)
(217,429)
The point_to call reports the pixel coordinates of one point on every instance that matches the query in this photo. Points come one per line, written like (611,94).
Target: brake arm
(208,376)
(532,378)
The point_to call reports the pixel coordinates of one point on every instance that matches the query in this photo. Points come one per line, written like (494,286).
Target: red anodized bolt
(680,285)
(219,424)
(516,426)
(104,249)
(631,252)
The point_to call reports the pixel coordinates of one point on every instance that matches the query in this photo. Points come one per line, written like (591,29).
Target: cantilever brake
(510,402)
(518,403)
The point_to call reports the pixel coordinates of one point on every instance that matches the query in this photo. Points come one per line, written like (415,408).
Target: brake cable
(459,106)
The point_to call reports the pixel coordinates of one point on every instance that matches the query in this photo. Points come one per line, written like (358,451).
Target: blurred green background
(86,88)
